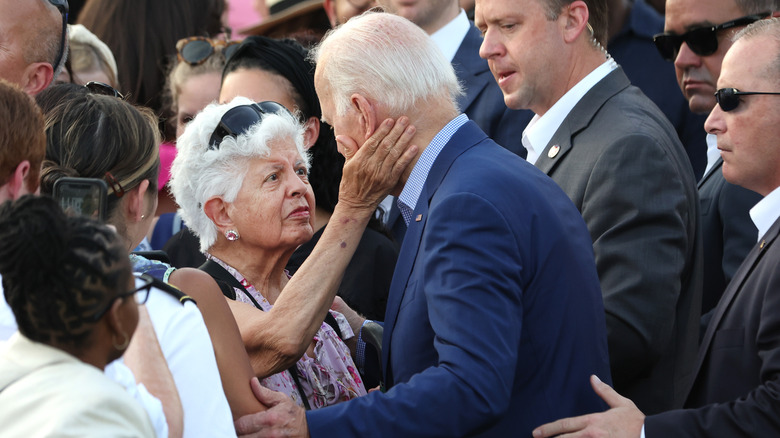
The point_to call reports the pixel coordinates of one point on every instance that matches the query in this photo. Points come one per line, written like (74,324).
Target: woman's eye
(302,172)
(272,177)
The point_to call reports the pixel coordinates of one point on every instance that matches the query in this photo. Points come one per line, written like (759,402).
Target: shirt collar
(407,200)
(449,37)
(541,129)
(766,212)
(712,152)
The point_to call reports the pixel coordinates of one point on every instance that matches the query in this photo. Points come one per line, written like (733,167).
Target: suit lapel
(712,171)
(467,136)
(731,292)
(472,71)
(580,117)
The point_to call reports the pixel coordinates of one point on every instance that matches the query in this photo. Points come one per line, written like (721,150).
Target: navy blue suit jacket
(495,318)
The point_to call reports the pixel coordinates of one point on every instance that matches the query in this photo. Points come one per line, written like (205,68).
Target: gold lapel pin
(418,218)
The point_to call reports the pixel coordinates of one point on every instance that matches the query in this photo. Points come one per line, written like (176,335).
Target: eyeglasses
(140,293)
(728,98)
(63,7)
(702,41)
(239,119)
(103,89)
(196,50)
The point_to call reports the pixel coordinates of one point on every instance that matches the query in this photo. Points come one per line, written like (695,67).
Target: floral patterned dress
(330,376)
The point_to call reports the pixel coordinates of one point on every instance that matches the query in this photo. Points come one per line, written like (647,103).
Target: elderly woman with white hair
(240,178)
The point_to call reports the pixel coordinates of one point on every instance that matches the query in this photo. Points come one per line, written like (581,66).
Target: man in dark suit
(620,160)
(727,232)
(495,307)
(736,389)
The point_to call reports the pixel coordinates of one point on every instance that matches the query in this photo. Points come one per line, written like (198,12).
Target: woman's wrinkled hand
(373,170)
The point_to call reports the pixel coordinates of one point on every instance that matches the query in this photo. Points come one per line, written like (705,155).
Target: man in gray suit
(619,159)
(736,386)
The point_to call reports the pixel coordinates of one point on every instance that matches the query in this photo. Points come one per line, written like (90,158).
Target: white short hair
(199,173)
(386,57)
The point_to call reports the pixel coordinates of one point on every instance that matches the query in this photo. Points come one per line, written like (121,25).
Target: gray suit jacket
(736,391)
(727,231)
(621,162)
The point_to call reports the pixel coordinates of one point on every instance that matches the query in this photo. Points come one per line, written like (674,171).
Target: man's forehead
(683,15)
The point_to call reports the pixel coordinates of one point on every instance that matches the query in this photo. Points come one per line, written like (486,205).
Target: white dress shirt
(712,152)
(449,37)
(766,212)
(541,129)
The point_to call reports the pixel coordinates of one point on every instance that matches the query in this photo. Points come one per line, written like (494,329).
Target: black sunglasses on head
(95,87)
(728,98)
(239,119)
(63,7)
(702,41)
(140,293)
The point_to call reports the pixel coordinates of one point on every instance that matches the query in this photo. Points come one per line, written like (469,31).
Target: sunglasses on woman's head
(728,98)
(196,50)
(95,87)
(239,119)
(702,41)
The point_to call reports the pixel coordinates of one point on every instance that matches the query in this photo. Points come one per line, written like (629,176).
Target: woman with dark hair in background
(142,34)
(70,287)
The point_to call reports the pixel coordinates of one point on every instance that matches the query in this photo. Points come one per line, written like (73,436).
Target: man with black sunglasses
(697,35)
(735,390)
(34,42)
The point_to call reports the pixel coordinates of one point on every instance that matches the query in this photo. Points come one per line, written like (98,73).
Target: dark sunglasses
(140,293)
(63,7)
(728,98)
(196,50)
(239,119)
(702,41)
(104,89)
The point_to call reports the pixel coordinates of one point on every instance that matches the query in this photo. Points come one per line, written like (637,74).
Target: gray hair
(386,57)
(199,174)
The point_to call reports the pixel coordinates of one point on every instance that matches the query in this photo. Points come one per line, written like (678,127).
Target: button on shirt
(540,130)
(407,200)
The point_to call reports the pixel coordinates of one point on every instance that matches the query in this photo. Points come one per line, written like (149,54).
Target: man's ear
(575,21)
(37,76)
(16,186)
(311,133)
(134,205)
(367,116)
(217,210)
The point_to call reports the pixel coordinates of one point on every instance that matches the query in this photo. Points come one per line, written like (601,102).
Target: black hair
(58,271)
